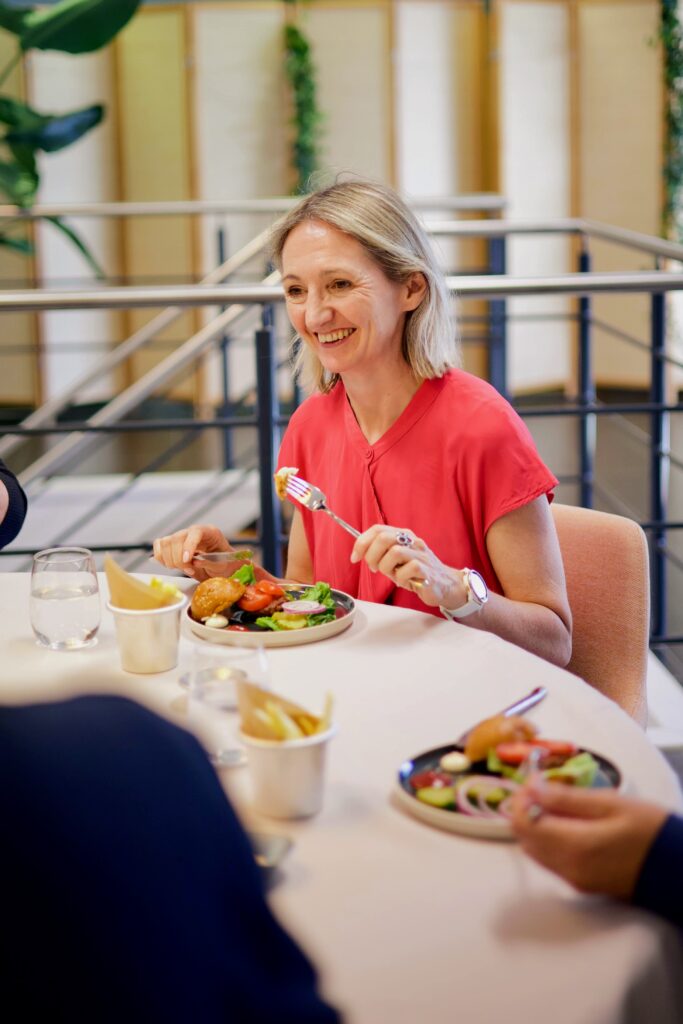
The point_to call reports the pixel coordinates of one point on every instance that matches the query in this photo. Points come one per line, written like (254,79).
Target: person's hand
(177,550)
(382,549)
(595,839)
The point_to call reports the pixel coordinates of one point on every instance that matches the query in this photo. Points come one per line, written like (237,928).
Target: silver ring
(404,539)
(534,812)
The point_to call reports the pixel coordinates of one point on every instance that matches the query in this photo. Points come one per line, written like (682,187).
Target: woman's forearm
(532,626)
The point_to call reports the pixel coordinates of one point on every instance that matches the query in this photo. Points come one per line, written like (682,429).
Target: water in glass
(65,598)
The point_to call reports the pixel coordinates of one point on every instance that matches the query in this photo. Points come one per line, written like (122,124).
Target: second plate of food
(472,801)
(243,631)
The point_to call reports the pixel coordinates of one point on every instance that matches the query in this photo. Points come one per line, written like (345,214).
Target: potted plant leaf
(70,26)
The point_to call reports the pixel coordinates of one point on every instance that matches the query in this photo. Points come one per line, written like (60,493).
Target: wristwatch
(477,596)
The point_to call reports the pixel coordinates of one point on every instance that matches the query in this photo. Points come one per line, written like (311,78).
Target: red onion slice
(484,784)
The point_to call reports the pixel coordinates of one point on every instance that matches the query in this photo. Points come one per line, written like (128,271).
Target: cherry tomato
(268,587)
(254,600)
(238,629)
(430,779)
(514,753)
(558,748)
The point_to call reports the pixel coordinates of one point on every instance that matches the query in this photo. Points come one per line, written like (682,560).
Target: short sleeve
(499,468)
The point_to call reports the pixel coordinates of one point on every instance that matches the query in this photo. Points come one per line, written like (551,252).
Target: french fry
(267,723)
(268,716)
(282,722)
(326,717)
(307,724)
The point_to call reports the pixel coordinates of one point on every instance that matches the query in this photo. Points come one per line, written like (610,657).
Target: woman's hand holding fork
(405,559)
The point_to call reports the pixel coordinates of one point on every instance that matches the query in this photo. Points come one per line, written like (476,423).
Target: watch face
(478,586)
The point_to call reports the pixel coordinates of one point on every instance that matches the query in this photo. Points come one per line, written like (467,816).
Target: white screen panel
(84,172)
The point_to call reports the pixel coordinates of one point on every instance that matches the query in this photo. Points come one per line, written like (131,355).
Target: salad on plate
(242,603)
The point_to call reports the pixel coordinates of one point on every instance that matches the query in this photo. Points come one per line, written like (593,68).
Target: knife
(222,556)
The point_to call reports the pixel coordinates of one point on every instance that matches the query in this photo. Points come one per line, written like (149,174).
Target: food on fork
(489,733)
(126,591)
(215,595)
(281,478)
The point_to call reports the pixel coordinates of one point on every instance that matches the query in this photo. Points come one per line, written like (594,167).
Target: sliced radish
(302,607)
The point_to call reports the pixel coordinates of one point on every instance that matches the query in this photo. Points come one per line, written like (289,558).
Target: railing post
(226,405)
(659,462)
(267,417)
(497,320)
(587,421)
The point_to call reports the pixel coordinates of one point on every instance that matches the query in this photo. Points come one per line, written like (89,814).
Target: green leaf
(25,157)
(245,574)
(18,183)
(12,19)
(20,245)
(78,242)
(76,26)
(53,132)
(14,112)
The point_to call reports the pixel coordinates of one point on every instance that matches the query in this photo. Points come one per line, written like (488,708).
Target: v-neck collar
(423,398)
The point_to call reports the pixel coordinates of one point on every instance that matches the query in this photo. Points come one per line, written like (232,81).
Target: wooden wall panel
(155,161)
(620,97)
(19,379)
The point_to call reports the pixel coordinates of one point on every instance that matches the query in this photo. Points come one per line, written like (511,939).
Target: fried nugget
(281,478)
(214,596)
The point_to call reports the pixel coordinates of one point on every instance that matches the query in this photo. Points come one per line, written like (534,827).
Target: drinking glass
(211,683)
(65,598)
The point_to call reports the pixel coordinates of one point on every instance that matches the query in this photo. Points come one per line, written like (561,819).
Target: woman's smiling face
(339,300)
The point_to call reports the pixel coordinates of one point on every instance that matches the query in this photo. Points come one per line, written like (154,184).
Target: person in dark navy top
(130,890)
(602,842)
(12,505)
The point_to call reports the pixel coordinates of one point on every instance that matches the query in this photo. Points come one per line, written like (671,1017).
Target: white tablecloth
(407,923)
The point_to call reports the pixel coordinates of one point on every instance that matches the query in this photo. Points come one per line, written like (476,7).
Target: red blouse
(456,460)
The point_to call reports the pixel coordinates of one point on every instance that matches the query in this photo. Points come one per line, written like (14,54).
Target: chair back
(606,564)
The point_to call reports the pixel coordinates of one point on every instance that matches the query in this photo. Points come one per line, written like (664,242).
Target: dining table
(407,922)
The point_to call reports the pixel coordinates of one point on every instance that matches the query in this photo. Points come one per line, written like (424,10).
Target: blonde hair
(393,238)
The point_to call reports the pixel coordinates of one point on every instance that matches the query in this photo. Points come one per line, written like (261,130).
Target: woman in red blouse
(431,464)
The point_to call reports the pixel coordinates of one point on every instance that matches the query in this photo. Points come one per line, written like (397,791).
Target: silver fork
(313,498)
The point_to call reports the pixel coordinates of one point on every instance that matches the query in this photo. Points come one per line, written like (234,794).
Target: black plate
(608,776)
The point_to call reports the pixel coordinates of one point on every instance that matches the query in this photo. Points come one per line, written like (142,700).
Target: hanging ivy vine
(671,33)
(306,120)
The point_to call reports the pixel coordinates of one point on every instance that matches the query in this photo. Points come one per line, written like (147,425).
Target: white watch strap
(472,604)
(460,613)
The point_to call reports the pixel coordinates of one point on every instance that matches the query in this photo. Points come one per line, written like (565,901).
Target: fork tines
(297,488)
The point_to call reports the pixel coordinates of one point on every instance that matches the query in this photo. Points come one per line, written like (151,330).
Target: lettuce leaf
(320,592)
(245,574)
(267,623)
(580,770)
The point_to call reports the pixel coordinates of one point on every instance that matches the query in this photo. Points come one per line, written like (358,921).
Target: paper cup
(148,639)
(287,777)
